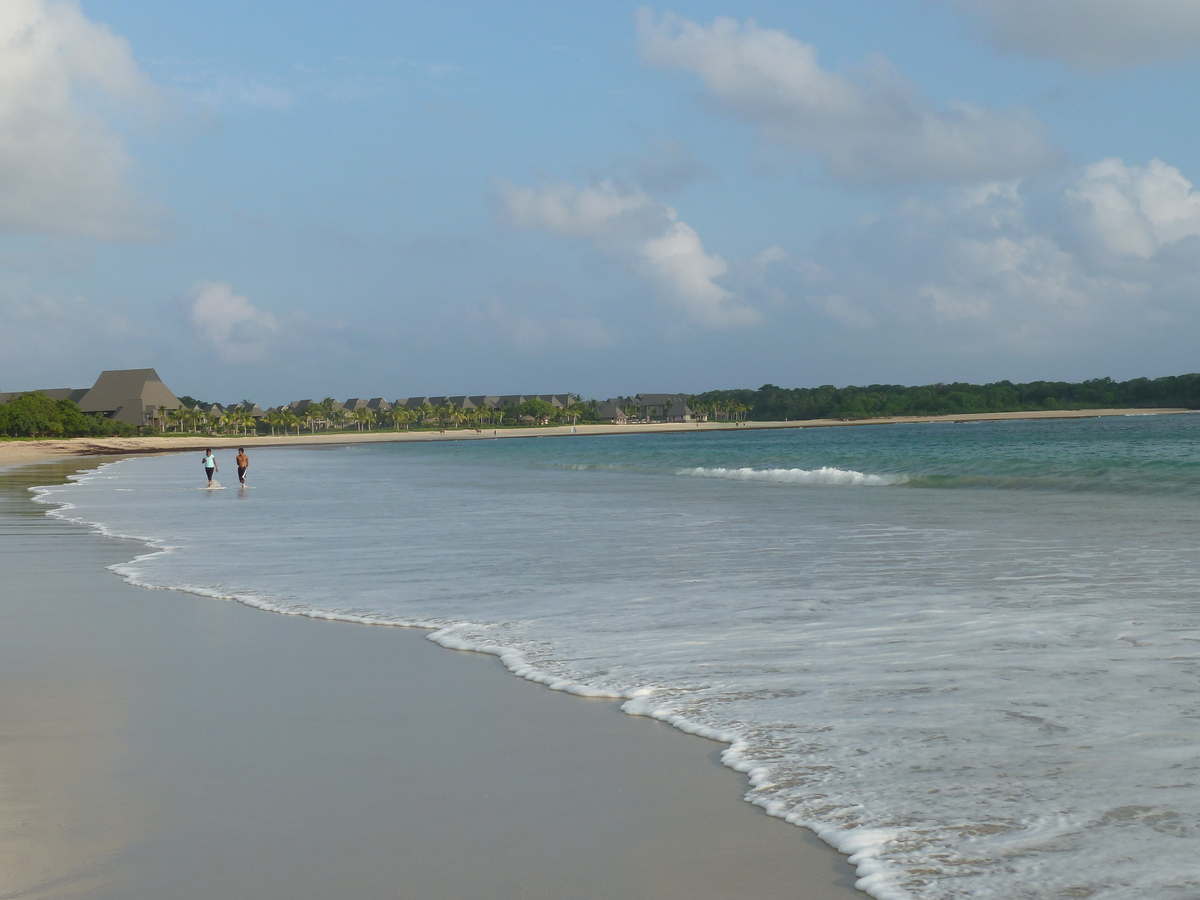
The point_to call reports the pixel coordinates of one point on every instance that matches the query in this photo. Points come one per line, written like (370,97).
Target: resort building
(647,407)
(484,401)
(611,411)
(253,410)
(667,407)
(132,396)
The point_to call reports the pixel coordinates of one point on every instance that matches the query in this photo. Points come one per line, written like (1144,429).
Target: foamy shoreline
(15,453)
(376,762)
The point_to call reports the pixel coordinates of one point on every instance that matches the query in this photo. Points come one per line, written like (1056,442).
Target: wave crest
(823,475)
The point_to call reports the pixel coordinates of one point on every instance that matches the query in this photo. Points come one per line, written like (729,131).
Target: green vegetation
(36,415)
(771,403)
(330,415)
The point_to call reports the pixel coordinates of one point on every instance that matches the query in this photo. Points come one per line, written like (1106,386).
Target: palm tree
(575,410)
(425,410)
(324,411)
(276,418)
(443,412)
(363,416)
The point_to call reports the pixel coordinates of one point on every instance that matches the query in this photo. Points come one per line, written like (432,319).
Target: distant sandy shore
(15,453)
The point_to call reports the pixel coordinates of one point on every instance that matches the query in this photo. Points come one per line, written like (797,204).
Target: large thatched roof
(126,394)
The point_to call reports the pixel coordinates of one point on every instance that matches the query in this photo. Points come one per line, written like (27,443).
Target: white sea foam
(823,475)
(972,693)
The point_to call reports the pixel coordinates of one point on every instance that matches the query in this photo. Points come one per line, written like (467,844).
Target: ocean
(966,654)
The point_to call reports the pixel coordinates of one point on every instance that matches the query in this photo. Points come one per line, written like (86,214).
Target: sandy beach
(157,744)
(23,452)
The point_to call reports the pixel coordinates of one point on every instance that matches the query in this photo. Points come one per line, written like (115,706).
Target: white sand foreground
(22,452)
(156,744)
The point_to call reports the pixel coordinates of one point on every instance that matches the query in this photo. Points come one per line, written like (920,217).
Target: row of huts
(462,402)
(617,410)
(139,397)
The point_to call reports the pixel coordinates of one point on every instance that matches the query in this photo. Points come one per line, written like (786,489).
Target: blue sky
(280,200)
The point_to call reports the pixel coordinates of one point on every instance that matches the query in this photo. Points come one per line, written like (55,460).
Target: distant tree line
(197,416)
(36,415)
(771,403)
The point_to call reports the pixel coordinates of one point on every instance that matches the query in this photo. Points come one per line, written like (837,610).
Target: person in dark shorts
(243,463)
(210,464)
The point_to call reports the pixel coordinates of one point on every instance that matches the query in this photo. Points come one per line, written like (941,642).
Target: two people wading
(210,465)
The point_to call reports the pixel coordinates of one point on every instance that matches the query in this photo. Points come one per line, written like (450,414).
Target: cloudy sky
(278,200)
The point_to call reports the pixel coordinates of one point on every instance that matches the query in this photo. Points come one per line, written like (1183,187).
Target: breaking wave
(823,475)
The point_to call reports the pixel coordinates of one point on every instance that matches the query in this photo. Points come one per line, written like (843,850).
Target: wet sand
(155,744)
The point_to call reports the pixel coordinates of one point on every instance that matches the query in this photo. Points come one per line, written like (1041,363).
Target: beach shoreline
(26,452)
(138,725)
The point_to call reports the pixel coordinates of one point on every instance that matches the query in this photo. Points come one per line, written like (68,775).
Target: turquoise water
(967,654)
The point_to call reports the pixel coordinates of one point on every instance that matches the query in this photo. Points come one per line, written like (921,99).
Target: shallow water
(967,654)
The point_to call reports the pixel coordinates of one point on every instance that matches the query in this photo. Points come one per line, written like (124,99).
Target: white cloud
(1092,34)
(677,262)
(876,131)
(644,234)
(1136,211)
(63,168)
(231,324)
(1110,257)
(593,212)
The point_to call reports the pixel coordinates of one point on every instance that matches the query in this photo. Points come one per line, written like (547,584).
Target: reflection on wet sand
(61,809)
